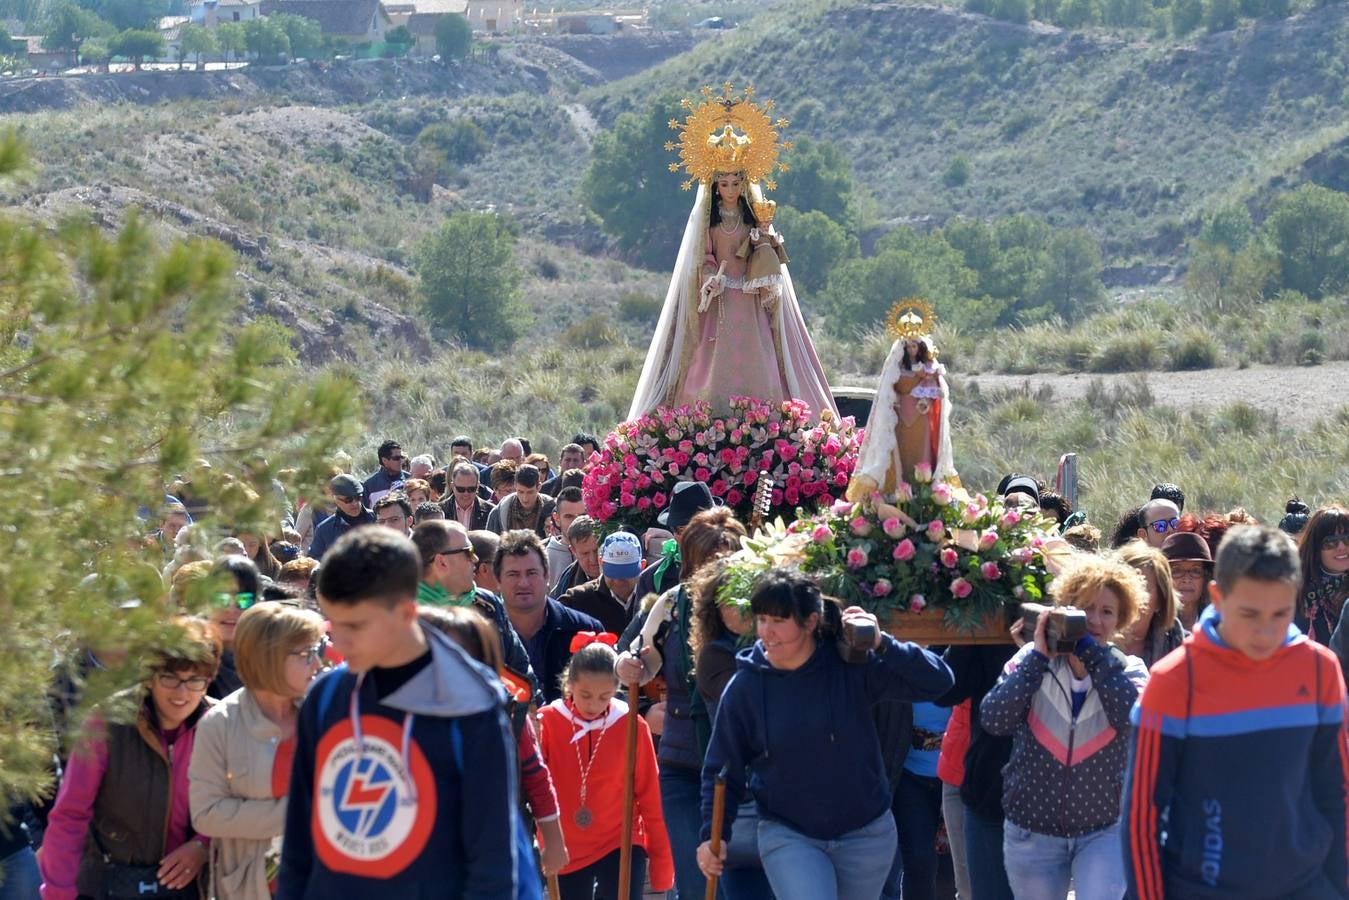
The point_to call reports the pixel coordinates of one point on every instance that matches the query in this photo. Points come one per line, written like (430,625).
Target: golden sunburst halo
(728,133)
(910,319)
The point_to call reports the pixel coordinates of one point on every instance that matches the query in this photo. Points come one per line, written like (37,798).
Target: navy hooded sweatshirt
(416,800)
(808,737)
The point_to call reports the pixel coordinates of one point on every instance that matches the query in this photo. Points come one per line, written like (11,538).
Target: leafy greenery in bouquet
(810,461)
(934,546)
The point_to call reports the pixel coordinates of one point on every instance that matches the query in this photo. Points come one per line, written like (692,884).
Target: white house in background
(492,16)
(213,12)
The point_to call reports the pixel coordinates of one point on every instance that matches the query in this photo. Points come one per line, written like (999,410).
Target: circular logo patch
(372,817)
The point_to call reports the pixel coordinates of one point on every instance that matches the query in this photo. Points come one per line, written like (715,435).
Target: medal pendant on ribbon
(583,818)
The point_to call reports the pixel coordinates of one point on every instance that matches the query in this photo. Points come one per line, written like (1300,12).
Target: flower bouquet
(629,481)
(933,560)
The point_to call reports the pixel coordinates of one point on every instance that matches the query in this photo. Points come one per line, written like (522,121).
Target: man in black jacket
(462,503)
(545,626)
(388,476)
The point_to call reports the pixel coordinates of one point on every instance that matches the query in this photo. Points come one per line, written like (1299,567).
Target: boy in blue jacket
(1236,787)
(403,783)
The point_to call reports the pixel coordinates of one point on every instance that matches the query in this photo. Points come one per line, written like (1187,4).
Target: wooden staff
(629,795)
(718,813)
(554,892)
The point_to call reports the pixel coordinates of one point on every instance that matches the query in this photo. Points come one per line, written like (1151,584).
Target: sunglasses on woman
(224,600)
(313,654)
(1335,540)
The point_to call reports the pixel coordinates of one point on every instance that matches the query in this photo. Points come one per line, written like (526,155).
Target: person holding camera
(1066,698)
(800,709)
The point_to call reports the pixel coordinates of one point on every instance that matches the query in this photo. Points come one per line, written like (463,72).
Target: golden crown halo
(728,133)
(910,319)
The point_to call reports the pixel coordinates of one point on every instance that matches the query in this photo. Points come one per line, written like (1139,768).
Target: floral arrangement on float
(629,481)
(938,564)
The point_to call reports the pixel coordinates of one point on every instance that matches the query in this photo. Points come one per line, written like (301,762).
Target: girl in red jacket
(583,746)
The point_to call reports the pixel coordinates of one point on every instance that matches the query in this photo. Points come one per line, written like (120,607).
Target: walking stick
(718,812)
(629,796)
(554,892)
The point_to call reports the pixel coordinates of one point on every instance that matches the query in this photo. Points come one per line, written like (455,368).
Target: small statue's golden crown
(910,319)
(728,133)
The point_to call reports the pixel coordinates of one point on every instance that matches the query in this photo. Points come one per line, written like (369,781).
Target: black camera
(1065,628)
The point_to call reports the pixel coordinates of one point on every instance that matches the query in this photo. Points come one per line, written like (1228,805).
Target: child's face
(591,693)
(1255,614)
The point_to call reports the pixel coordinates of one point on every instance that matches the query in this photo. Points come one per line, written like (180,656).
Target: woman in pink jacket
(120,826)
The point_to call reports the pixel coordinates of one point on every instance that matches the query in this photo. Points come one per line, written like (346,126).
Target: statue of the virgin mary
(730,325)
(910,422)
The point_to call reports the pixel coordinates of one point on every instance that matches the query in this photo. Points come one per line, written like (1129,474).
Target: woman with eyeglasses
(121,822)
(1323,547)
(240,771)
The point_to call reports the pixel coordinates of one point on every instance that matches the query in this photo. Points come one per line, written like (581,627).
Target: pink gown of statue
(736,354)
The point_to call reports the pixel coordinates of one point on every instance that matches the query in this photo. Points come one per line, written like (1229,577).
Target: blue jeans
(681,792)
(20,874)
(1041,866)
(917,810)
(851,867)
(983,855)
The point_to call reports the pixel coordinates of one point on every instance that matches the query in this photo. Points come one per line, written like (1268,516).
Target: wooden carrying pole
(629,795)
(718,813)
(554,892)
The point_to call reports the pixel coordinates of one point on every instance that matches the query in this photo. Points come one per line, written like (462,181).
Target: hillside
(1131,138)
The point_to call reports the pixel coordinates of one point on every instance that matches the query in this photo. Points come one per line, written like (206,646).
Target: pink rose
(841,508)
(700,458)
(733,497)
(990,571)
(936,529)
(659,499)
(681,459)
(821,534)
(949,557)
(893,528)
(860,527)
(686,446)
(941,494)
(807,459)
(719,488)
(905,550)
(881,588)
(826,499)
(674,468)
(702,475)
(960,588)
(917,603)
(750,477)
(971,513)
(857,558)
(922,473)
(987,540)
(1010,518)
(643,502)
(627,499)
(904,492)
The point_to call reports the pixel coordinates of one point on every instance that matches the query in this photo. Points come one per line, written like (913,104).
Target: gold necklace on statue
(733,217)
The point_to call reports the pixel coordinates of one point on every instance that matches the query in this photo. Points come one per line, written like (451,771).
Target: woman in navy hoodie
(802,717)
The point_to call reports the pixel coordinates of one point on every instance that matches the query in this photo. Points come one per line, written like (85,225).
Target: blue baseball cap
(621,555)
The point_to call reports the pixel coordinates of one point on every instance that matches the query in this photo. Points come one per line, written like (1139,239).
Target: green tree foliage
(1230,226)
(137,45)
(197,41)
(1018,11)
(1072,279)
(819,178)
(1186,16)
(958,173)
(132,15)
(454,37)
(1220,15)
(1079,13)
(906,263)
(304,34)
(628,184)
(470,280)
(123,359)
(95,52)
(1125,13)
(816,244)
(461,141)
(1309,230)
(1222,278)
(400,36)
(266,40)
(233,40)
(67,26)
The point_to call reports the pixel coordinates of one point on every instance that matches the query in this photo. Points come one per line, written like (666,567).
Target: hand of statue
(712,288)
(769,299)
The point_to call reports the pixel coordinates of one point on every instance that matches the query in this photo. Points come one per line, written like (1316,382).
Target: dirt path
(1300,395)
(582,121)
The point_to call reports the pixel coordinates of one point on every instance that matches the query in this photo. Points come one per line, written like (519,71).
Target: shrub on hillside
(1128,352)
(1194,349)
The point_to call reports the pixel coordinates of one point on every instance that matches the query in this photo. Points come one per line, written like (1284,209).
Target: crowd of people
(419,685)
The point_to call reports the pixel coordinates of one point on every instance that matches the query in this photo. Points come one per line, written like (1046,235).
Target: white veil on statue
(672,345)
(878,462)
